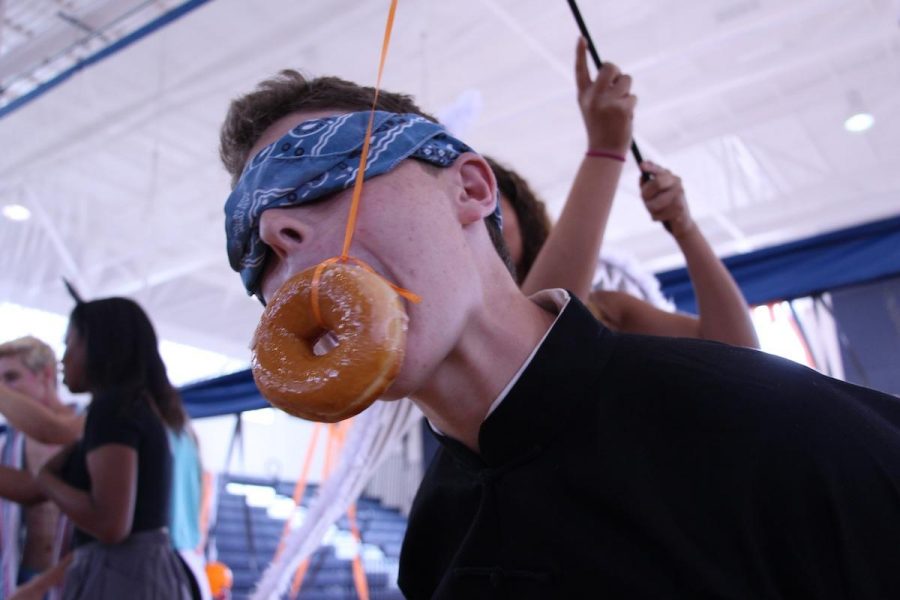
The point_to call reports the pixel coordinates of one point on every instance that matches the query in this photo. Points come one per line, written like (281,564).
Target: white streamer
(369,440)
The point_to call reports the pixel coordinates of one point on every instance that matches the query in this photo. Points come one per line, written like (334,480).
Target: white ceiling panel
(119,164)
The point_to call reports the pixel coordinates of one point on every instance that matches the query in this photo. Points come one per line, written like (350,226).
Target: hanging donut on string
(332,338)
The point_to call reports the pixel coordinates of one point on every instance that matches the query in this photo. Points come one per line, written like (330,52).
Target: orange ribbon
(357,194)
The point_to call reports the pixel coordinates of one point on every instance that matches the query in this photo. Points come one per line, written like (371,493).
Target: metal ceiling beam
(727,84)
(109,50)
(161,276)
(70,264)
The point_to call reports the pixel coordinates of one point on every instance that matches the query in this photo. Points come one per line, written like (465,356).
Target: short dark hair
(531,212)
(122,354)
(288,92)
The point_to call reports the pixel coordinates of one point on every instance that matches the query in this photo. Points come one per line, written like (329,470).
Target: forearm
(77,505)
(568,258)
(19,486)
(37,421)
(723,311)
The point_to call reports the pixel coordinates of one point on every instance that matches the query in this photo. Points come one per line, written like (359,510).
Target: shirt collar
(563,373)
(554,301)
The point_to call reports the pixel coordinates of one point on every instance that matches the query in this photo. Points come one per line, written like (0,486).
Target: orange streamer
(337,433)
(300,486)
(359,573)
(299,574)
(360,175)
(357,189)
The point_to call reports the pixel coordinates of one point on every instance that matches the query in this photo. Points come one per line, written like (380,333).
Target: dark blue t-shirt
(137,426)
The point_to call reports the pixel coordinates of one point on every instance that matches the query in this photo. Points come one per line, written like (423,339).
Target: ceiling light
(859,122)
(860,118)
(16,212)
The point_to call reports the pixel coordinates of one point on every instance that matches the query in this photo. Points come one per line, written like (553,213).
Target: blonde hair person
(28,389)
(34,354)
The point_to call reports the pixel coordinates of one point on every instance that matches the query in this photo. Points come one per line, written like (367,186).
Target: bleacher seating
(246,538)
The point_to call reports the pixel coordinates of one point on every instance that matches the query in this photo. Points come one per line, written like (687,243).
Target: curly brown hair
(531,212)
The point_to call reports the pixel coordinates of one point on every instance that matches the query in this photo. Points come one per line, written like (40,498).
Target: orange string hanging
(297,581)
(357,188)
(360,174)
(359,573)
(300,486)
(337,433)
(330,445)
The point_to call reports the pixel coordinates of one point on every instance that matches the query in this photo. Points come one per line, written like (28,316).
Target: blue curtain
(825,262)
(224,395)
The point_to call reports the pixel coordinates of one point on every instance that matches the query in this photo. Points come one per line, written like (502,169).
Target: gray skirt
(143,567)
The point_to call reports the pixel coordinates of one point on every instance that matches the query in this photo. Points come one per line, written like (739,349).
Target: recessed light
(16,212)
(859,122)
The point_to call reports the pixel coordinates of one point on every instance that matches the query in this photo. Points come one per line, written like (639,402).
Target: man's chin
(394,392)
(401,387)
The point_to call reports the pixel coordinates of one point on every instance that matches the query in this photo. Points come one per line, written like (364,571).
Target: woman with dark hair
(114,483)
(526,225)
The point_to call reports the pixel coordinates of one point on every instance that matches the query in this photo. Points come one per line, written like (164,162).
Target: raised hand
(665,201)
(606,103)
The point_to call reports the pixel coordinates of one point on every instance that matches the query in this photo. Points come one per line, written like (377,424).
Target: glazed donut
(367,321)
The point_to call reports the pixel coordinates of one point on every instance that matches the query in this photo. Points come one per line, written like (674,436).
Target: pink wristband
(604,154)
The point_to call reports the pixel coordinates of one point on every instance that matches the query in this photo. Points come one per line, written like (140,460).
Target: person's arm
(107,510)
(723,313)
(569,256)
(38,587)
(623,312)
(37,421)
(19,486)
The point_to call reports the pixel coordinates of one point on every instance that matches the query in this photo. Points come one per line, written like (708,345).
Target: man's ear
(477,197)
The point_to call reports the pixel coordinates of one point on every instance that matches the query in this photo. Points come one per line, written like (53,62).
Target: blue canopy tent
(842,258)
(225,395)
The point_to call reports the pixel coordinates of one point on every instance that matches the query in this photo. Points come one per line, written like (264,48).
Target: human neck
(491,350)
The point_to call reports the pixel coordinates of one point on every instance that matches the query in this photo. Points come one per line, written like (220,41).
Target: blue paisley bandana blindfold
(316,159)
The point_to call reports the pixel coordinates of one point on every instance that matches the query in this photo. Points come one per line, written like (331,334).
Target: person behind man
(564,255)
(185,504)
(28,375)
(573,458)
(723,313)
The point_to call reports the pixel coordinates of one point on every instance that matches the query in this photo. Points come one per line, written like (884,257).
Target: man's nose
(282,232)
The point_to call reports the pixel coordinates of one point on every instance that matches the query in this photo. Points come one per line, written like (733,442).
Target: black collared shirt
(637,467)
